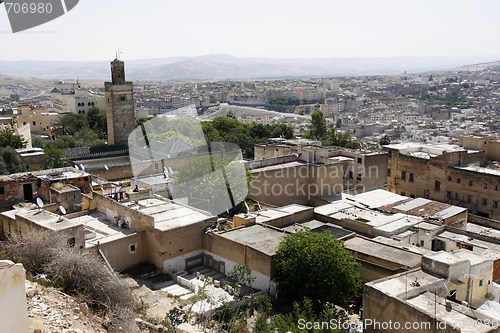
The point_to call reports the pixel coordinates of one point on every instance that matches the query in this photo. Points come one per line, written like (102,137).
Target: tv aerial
(63,212)
(39,203)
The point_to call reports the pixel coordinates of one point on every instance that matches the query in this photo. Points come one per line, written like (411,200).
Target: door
(28,192)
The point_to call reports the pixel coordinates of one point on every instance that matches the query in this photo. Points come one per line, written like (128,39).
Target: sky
(147,29)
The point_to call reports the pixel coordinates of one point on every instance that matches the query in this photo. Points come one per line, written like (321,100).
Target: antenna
(39,203)
(63,212)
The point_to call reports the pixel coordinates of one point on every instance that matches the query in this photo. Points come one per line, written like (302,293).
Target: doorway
(28,192)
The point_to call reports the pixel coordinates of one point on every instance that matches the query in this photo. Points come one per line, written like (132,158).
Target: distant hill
(223,66)
(495,65)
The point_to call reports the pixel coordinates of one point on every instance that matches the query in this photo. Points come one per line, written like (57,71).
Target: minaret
(119,104)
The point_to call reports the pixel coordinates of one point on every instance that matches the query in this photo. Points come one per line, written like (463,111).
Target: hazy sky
(95,29)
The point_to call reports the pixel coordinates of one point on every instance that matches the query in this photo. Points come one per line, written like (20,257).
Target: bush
(75,271)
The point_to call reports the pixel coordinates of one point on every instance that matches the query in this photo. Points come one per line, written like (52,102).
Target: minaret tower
(119,104)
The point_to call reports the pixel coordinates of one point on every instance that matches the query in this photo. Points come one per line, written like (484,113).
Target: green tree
(54,157)
(96,120)
(318,128)
(9,139)
(10,162)
(385,140)
(317,266)
(305,312)
(242,274)
(71,123)
(87,137)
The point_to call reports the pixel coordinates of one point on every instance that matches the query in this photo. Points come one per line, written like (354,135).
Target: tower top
(117,71)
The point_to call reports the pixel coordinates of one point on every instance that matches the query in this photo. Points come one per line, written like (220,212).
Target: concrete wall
(380,307)
(124,252)
(262,265)
(13,306)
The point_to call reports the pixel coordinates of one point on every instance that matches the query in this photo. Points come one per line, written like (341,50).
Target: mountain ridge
(224,66)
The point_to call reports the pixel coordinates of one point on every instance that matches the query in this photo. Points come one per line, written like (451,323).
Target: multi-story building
(467,175)
(71,97)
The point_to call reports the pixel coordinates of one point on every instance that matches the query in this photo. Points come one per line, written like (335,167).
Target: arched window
(89,104)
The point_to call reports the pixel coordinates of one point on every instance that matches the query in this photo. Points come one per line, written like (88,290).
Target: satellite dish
(168,156)
(106,167)
(76,167)
(82,166)
(63,210)
(39,202)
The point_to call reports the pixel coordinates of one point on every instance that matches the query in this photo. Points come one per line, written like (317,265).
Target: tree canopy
(10,162)
(329,137)
(9,139)
(317,266)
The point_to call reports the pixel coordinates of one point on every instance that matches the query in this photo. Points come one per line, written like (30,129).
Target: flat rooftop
(279,167)
(168,215)
(460,317)
(424,151)
(378,250)
(262,239)
(98,229)
(411,283)
(479,169)
(47,219)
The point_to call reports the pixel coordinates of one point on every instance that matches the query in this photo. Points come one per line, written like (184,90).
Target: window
(458,196)
(34,123)
(123,97)
(2,190)
(481,282)
(448,194)
(495,204)
(71,242)
(389,172)
(471,183)
(465,246)
(422,243)
(458,180)
(437,185)
(412,196)
(132,248)
(359,160)
(351,175)
(485,201)
(469,198)
(403,175)
(411,177)
(449,178)
(485,186)
(403,194)
(496,188)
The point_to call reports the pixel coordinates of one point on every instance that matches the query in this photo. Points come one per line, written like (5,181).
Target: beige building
(291,171)
(72,98)
(41,120)
(467,176)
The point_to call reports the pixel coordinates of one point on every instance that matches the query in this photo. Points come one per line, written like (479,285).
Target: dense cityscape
(340,173)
